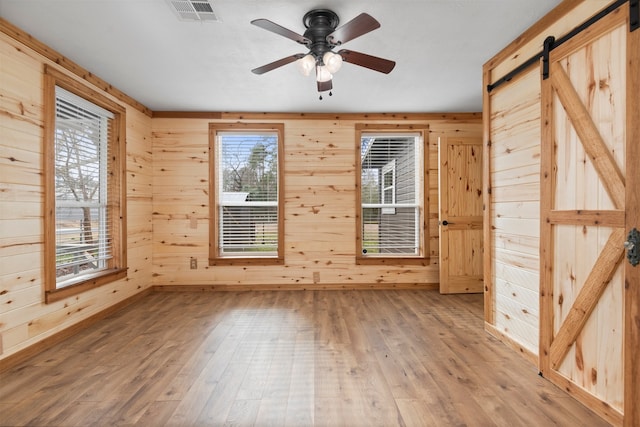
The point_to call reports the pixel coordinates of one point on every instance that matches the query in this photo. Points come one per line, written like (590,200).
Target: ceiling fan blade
(371,62)
(361,24)
(325,86)
(277,64)
(278,29)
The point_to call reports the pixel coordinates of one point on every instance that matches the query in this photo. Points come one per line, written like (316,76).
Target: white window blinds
(83,241)
(247,196)
(391,189)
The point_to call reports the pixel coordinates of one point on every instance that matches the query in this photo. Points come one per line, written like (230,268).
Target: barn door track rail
(551,42)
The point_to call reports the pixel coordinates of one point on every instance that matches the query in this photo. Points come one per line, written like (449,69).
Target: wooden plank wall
(167,193)
(319,167)
(24,317)
(512,168)
(515,208)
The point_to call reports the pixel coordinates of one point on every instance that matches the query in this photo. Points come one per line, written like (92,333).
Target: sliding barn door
(583,212)
(460,215)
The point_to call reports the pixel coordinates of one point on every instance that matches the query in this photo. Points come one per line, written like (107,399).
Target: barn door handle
(445,222)
(632,245)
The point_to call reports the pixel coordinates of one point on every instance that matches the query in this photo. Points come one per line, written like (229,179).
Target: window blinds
(247,194)
(83,231)
(391,188)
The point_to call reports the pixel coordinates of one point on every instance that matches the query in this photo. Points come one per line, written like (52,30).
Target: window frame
(116,200)
(423,256)
(388,168)
(215,258)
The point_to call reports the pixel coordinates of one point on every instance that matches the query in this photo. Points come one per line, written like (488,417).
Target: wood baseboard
(24,354)
(511,343)
(297,287)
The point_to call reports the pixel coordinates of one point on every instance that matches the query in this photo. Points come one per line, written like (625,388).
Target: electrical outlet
(316,277)
(194,263)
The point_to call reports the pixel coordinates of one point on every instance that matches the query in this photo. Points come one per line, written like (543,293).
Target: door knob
(445,222)
(632,245)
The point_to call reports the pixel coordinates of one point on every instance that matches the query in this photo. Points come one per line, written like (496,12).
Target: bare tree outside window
(81,137)
(77,173)
(251,166)
(85,221)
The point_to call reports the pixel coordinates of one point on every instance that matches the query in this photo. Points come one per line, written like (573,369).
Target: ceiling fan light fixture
(323,74)
(332,61)
(321,36)
(306,64)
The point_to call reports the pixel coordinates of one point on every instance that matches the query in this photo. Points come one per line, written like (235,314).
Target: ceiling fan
(321,37)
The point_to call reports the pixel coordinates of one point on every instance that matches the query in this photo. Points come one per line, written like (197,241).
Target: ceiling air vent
(194,10)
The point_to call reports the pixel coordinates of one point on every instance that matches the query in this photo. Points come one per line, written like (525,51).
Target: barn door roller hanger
(632,245)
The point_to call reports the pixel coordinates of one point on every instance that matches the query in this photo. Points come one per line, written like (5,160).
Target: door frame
(471,223)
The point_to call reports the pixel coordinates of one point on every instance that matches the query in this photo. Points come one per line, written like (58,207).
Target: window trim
(214,256)
(118,264)
(423,258)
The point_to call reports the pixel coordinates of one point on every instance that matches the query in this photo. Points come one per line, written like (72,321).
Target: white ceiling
(143,49)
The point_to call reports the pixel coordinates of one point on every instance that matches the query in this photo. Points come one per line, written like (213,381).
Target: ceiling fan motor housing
(320,23)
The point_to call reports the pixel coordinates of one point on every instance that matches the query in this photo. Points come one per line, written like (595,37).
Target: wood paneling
(512,168)
(590,196)
(26,322)
(319,226)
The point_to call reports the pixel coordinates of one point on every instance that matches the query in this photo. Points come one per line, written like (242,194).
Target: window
(246,188)
(85,234)
(393,182)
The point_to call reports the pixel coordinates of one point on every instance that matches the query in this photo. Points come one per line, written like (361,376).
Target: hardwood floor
(297,358)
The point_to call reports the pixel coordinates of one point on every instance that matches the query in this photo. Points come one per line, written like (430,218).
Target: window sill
(87,282)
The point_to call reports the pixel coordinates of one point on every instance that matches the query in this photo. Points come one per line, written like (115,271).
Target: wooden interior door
(632,273)
(460,215)
(583,216)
